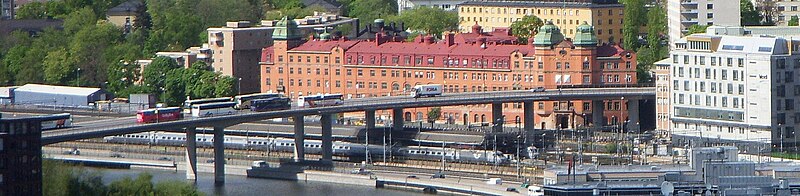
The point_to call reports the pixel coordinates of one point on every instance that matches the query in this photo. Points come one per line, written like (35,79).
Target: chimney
(379,38)
(428,39)
(449,39)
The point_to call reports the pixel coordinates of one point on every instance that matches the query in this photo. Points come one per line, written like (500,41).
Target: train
(345,149)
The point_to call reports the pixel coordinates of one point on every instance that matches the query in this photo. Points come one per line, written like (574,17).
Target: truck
(429,90)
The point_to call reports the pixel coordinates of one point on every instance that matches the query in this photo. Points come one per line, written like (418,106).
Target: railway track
(397,164)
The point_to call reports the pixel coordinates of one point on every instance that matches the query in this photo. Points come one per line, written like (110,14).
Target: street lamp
(78,79)
(239,86)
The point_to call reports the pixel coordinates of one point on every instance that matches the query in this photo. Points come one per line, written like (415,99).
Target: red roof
(324,46)
(609,50)
(500,35)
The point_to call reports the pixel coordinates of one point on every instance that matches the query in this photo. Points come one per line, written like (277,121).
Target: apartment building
(6,9)
(661,73)
(681,14)
(448,5)
(735,90)
(604,15)
(785,10)
(466,62)
(236,48)
(21,156)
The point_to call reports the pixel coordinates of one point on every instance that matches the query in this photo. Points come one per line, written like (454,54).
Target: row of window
(714,61)
(430,60)
(701,87)
(538,11)
(694,99)
(738,75)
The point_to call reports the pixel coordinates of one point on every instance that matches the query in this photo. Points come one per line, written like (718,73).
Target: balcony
(689,2)
(689,11)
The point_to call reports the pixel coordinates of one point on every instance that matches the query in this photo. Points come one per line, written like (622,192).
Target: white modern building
(448,5)
(681,14)
(735,90)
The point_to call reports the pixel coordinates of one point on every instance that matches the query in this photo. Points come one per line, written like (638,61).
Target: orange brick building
(469,62)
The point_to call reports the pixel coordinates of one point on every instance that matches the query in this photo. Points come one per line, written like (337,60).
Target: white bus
(56,121)
(243,101)
(213,109)
(320,100)
(187,105)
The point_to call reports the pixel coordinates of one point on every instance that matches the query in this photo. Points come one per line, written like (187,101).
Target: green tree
(78,20)
(526,27)
(58,67)
(369,10)
(122,77)
(696,29)
(225,86)
(154,75)
(433,114)
(32,10)
(655,49)
(430,20)
(749,15)
(174,88)
(173,187)
(142,185)
(632,20)
(89,46)
(794,21)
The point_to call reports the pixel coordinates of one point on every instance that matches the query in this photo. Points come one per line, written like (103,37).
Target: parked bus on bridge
(213,109)
(158,115)
(57,121)
(270,104)
(244,101)
(320,100)
(187,105)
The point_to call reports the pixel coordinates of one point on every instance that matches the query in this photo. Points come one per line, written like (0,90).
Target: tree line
(60,179)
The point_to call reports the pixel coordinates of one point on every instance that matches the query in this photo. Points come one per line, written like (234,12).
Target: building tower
(548,36)
(584,36)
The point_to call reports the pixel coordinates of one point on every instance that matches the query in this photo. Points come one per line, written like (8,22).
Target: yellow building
(605,16)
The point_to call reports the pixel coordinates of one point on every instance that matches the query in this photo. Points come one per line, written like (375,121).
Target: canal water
(241,185)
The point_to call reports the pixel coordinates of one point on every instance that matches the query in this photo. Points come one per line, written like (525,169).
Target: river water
(241,185)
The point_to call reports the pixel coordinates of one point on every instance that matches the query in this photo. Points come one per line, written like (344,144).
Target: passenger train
(346,149)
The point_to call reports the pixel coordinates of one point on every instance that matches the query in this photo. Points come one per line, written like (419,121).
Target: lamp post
(781,141)
(239,86)
(78,79)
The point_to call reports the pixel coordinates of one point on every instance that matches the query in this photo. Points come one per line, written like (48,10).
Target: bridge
(128,125)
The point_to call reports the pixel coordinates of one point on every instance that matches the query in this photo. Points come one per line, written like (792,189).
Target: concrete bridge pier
(219,155)
(397,119)
(327,141)
(597,114)
(497,117)
(191,153)
(528,116)
(369,119)
(299,138)
(633,115)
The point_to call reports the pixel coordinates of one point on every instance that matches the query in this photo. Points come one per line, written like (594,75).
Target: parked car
(438,175)
(412,176)
(116,155)
(538,89)
(512,189)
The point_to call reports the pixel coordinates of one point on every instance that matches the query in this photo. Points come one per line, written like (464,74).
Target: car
(165,159)
(538,89)
(412,176)
(116,155)
(438,175)
(512,189)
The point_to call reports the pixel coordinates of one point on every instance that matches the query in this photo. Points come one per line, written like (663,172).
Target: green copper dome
(585,36)
(548,35)
(325,35)
(286,29)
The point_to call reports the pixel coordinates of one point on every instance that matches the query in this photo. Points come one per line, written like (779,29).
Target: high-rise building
(6,9)
(785,10)
(21,156)
(734,89)
(661,73)
(604,15)
(682,14)
(466,62)
(236,48)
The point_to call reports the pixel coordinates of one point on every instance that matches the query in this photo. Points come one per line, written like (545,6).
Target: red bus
(159,115)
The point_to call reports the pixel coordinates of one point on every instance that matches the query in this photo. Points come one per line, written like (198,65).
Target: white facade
(681,14)
(731,89)
(447,5)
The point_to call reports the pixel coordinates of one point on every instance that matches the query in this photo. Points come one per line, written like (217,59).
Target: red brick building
(471,62)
